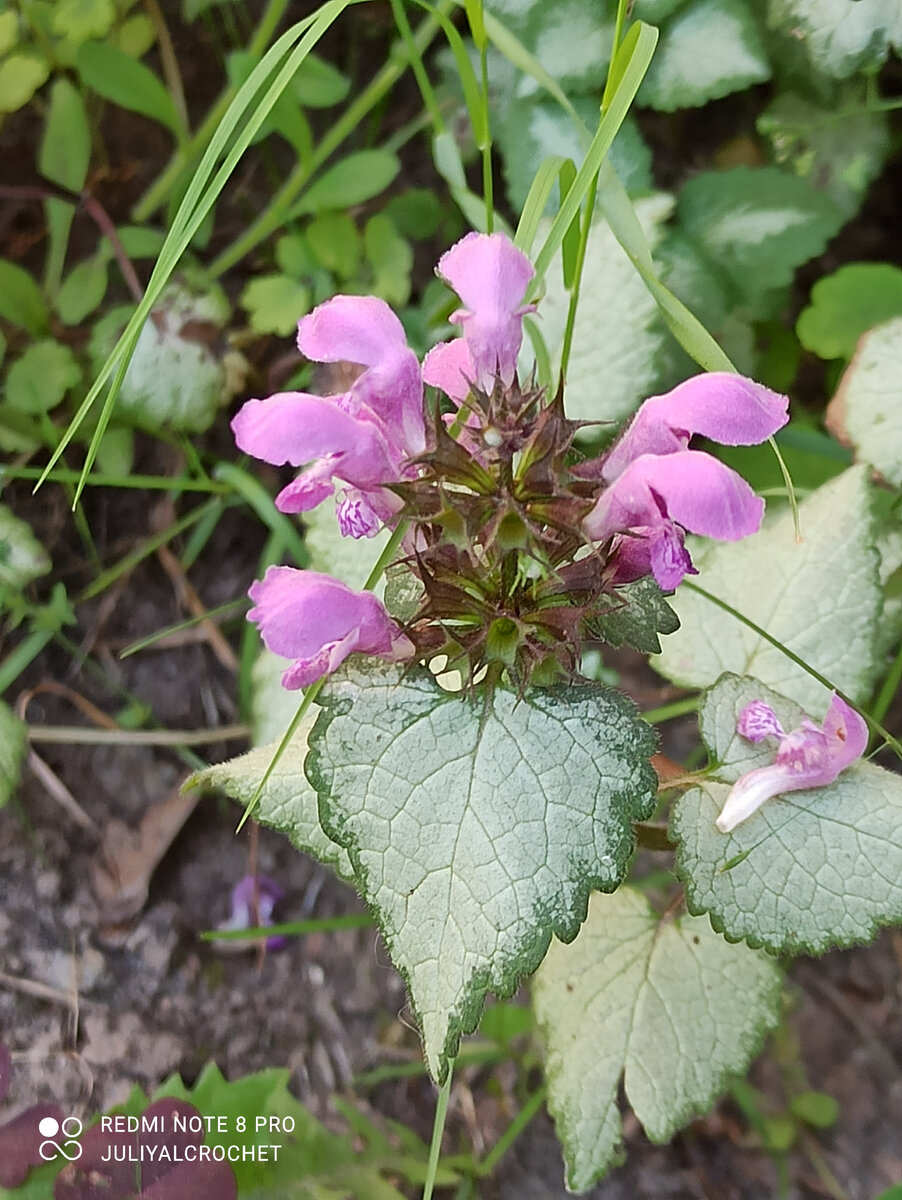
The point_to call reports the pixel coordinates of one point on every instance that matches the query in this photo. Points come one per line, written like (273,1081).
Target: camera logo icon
(70,1149)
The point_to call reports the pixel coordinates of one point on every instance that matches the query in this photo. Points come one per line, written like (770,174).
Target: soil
(92,1004)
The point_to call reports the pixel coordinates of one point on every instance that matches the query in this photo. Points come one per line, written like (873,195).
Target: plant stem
(279,209)
(888,688)
(513,1131)
(441,1110)
(190,152)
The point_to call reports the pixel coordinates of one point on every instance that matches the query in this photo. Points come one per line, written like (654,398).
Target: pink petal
(726,408)
(357,329)
(752,790)
(696,491)
(449,366)
(364,330)
(846,732)
(491,276)
(318,620)
(758,721)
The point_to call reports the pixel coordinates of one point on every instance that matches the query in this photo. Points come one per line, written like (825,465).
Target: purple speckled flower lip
(631,507)
(808,757)
(254,899)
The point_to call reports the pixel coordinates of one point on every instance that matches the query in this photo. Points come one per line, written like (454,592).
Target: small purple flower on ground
(319,621)
(254,899)
(808,757)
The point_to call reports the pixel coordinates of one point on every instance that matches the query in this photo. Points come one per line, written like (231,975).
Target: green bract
(666,1004)
(809,870)
(820,597)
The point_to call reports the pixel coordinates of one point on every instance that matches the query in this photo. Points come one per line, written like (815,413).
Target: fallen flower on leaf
(808,757)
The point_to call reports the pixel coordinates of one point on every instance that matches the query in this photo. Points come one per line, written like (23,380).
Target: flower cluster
(808,757)
(515,544)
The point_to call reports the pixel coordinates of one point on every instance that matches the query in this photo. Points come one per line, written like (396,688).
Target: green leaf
(13,743)
(667,1004)
(333,238)
(79,20)
(125,81)
(313,1162)
(809,870)
(709,49)
(21,301)
(21,74)
(83,290)
(9,30)
(391,258)
(140,241)
(22,557)
(618,336)
(758,225)
(866,410)
(353,180)
(288,803)
(476,826)
(846,305)
(275,303)
(39,380)
(533,129)
(66,144)
(572,39)
(318,84)
(639,614)
(816,1109)
(841,153)
(820,597)
(135,36)
(840,36)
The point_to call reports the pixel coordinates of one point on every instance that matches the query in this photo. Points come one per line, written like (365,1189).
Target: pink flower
(808,757)
(319,621)
(362,437)
(491,276)
(658,488)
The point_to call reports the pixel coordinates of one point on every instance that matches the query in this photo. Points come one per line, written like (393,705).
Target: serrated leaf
(866,409)
(809,870)
(758,225)
(572,39)
(22,557)
(618,333)
(275,303)
(641,614)
(820,597)
(13,744)
(842,156)
(668,1005)
(21,74)
(840,36)
(476,826)
(66,142)
(288,803)
(709,49)
(39,380)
